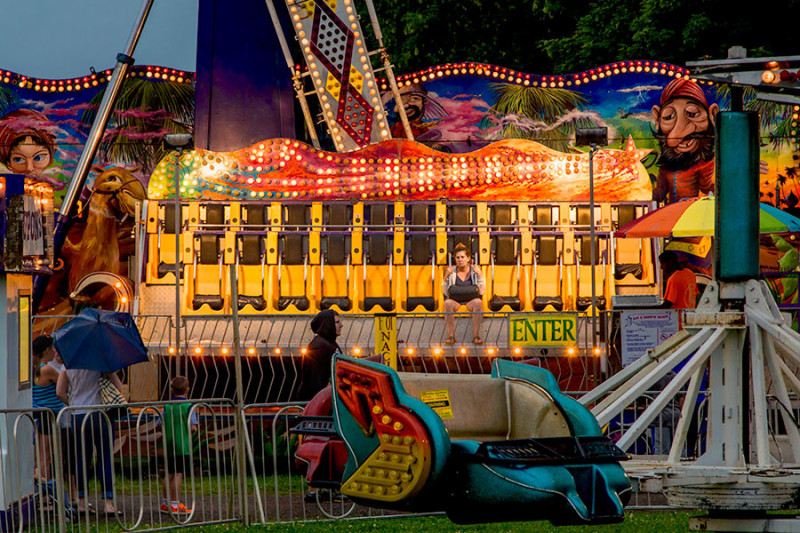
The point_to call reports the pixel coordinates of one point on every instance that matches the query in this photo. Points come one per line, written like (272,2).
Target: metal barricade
(272,359)
(279,488)
(49,482)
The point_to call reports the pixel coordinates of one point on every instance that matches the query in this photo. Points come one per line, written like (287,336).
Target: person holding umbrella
(92,345)
(80,388)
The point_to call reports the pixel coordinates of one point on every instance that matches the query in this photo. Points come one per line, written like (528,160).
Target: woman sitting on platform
(463,285)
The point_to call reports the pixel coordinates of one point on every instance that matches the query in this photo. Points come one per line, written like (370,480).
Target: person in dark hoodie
(317,361)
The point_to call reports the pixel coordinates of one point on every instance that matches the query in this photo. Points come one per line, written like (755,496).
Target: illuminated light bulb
(571,351)
(198,350)
(517,350)
(277,351)
(437,351)
(171,350)
(124,299)
(768,76)
(356,350)
(491,351)
(410,351)
(224,351)
(118,285)
(596,350)
(463,351)
(303,351)
(251,351)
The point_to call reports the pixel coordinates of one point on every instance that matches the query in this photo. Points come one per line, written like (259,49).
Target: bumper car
(482,448)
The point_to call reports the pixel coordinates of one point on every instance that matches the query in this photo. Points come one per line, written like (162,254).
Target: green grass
(206,486)
(635,522)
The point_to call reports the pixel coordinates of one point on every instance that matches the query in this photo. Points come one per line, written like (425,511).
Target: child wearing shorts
(179,423)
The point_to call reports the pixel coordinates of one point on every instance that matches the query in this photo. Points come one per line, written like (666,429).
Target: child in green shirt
(179,423)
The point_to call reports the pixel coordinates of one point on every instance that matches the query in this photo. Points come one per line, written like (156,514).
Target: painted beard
(413,112)
(673,160)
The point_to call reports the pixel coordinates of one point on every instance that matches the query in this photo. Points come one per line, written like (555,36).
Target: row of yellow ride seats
(295,266)
(360,258)
(521,220)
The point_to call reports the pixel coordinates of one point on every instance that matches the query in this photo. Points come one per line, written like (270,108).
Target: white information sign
(32,229)
(645,329)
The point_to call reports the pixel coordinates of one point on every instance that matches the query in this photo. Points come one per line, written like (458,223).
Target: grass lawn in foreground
(635,522)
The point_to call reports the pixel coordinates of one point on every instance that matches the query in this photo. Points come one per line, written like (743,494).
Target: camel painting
(98,238)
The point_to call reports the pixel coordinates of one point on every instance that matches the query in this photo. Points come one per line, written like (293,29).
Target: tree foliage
(563,36)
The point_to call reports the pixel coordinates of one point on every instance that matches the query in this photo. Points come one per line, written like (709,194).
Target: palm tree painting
(8,99)
(145,111)
(538,114)
(775,118)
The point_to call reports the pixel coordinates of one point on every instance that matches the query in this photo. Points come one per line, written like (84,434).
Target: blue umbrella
(105,341)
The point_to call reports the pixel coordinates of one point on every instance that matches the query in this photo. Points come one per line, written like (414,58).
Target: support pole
(178,255)
(297,81)
(778,383)
(670,392)
(387,66)
(237,365)
(710,344)
(689,405)
(592,251)
(124,62)
(759,389)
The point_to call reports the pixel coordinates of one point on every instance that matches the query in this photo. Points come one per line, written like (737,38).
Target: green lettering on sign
(543,329)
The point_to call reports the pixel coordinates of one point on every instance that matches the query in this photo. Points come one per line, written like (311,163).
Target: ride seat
(485,408)
(547,273)
(293,255)
(584,280)
(335,264)
(420,264)
(461,220)
(214,218)
(628,260)
(377,268)
(251,253)
(165,242)
(208,280)
(505,262)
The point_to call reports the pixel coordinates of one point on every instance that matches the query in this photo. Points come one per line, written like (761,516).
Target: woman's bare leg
(450,307)
(476,308)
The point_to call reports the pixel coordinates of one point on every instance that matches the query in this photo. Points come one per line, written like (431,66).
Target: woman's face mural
(28,156)
(27,143)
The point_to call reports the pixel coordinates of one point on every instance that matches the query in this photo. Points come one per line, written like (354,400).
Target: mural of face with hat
(684,128)
(422,110)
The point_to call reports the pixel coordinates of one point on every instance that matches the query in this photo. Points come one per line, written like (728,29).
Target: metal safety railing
(56,472)
(92,468)
(272,351)
(256,478)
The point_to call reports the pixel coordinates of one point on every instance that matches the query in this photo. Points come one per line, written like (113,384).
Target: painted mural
(43,128)
(481,132)
(459,108)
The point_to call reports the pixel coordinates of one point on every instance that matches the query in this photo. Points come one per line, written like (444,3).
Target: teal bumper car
(482,448)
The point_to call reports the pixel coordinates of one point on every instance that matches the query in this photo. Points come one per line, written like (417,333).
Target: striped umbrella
(694,217)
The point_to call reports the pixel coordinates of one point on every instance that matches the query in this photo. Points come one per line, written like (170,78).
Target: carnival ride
(281,228)
(505,446)
(373,230)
